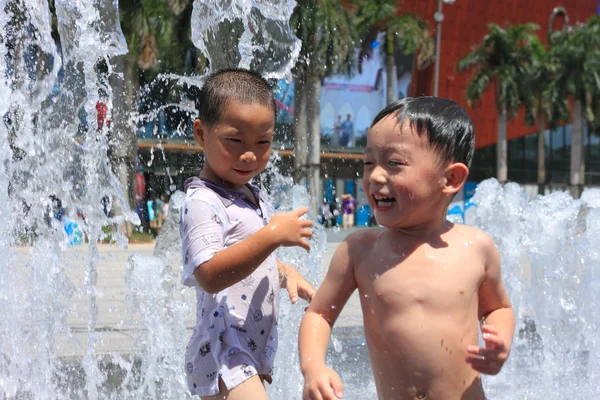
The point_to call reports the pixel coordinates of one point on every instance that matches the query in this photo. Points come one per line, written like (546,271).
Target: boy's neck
(209,176)
(432,227)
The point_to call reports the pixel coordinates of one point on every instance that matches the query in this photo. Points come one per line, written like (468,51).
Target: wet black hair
(448,126)
(243,85)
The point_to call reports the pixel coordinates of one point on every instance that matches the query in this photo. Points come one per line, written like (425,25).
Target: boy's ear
(199,132)
(456,176)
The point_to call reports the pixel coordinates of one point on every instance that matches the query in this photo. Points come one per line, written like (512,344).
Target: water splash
(248,34)
(50,175)
(550,267)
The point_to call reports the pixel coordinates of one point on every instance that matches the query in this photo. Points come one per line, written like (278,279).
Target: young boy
(228,237)
(424,283)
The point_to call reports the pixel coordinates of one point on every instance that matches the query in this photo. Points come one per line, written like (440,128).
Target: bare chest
(429,278)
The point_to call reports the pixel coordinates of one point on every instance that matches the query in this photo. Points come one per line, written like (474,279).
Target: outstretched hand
(295,284)
(488,360)
(290,229)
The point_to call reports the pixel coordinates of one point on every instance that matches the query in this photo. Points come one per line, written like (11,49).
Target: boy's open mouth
(383,201)
(242,172)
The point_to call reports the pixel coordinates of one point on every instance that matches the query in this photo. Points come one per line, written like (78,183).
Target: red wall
(464,26)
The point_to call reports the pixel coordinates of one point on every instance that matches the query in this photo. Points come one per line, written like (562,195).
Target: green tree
(546,100)
(150,28)
(402,33)
(501,59)
(328,46)
(575,55)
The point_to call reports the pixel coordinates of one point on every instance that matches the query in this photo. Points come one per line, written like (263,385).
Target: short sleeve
(201,229)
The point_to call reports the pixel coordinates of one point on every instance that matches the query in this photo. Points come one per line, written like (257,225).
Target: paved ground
(114,307)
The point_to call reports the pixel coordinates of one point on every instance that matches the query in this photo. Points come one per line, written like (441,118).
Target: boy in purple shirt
(229,234)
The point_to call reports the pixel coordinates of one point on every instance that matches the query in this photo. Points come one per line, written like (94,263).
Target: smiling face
(236,147)
(403,177)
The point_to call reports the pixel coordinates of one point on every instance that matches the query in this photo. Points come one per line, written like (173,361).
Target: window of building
(530,160)
(557,168)
(515,159)
(484,164)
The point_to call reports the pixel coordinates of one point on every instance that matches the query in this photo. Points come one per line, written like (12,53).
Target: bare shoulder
(479,242)
(362,239)
(473,236)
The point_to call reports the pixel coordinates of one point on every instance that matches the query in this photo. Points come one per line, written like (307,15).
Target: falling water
(56,170)
(551,265)
(548,244)
(48,168)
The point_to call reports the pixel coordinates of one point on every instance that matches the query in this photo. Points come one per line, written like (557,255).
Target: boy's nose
(378,175)
(248,156)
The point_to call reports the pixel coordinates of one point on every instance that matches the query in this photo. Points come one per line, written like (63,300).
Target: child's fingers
(300,211)
(304,244)
(492,340)
(293,292)
(307,292)
(486,355)
(473,350)
(484,368)
(306,233)
(483,353)
(489,329)
(326,391)
(337,387)
(306,223)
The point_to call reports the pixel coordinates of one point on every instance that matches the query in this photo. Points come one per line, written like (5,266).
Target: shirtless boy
(425,284)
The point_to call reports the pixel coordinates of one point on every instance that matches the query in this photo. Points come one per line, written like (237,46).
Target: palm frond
(477,86)
(506,55)
(328,36)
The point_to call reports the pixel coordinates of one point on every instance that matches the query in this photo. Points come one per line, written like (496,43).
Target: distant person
(337,131)
(229,236)
(158,211)
(165,207)
(426,285)
(348,208)
(325,213)
(151,218)
(335,211)
(140,193)
(347,131)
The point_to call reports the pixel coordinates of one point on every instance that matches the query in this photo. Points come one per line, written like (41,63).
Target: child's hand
(290,229)
(295,284)
(491,359)
(322,383)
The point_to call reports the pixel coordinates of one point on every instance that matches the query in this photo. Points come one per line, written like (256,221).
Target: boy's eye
(264,142)
(368,163)
(234,140)
(395,163)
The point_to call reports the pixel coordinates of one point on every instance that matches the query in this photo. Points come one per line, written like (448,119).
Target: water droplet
(337,345)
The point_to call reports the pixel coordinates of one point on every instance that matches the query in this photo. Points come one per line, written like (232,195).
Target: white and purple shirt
(235,336)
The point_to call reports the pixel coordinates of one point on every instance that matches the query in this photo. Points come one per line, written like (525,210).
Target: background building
(464,25)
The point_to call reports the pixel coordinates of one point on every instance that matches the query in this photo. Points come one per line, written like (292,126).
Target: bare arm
(494,305)
(496,311)
(237,262)
(325,308)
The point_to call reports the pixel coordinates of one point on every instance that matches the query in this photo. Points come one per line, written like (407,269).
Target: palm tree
(546,101)
(328,38)
(403,33)
(150,28)
(501,59)
(576,56)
